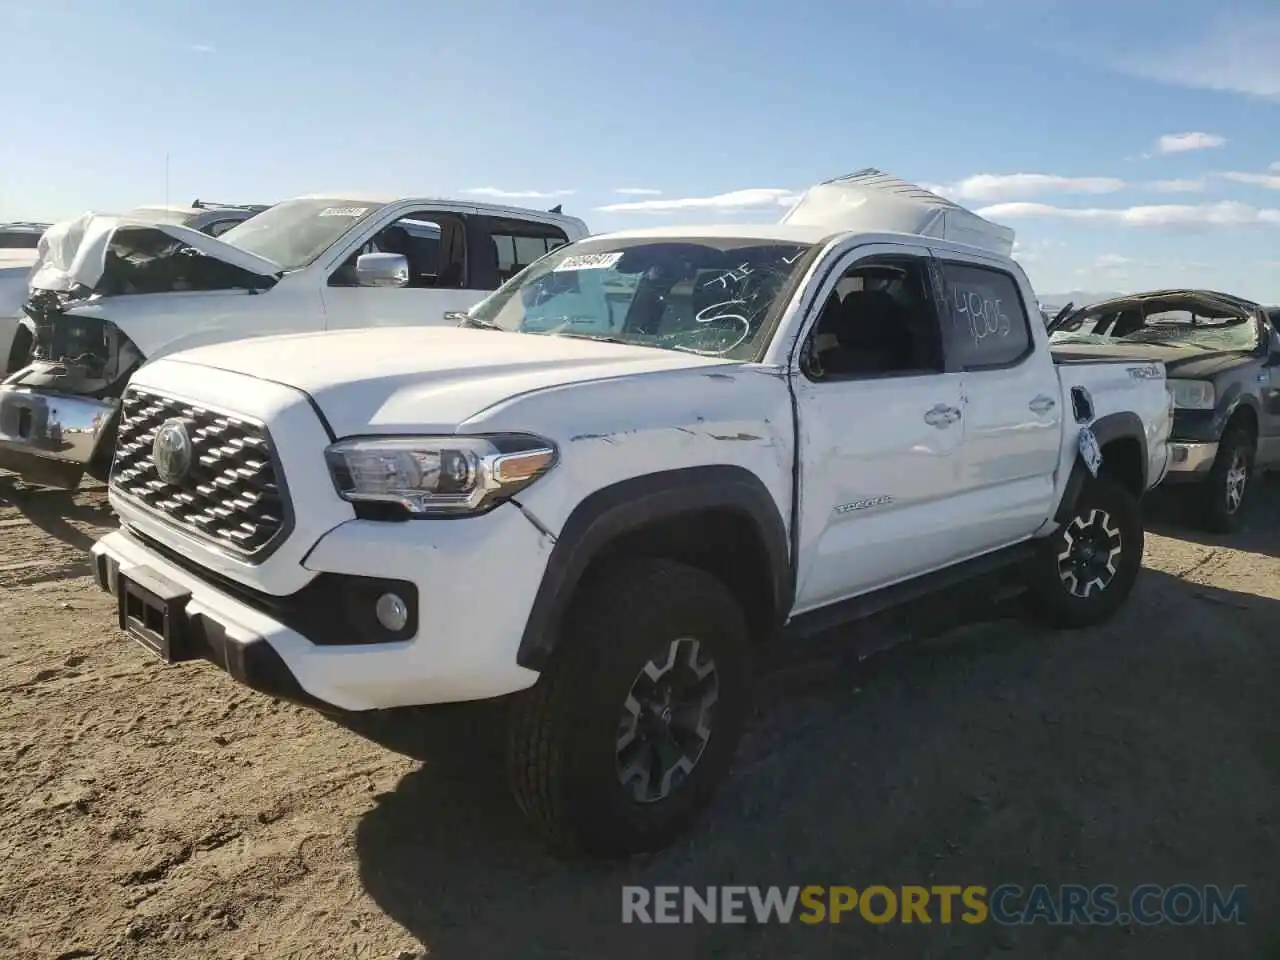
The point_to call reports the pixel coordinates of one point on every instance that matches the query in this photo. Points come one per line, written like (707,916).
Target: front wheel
(634,722)
(1084,572)
(1222,495)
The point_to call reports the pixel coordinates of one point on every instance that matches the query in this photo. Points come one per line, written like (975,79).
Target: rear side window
(988,321)
(517,244)
(219,227)
(19,240)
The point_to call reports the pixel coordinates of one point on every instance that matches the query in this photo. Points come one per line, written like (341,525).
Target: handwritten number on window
(984,316)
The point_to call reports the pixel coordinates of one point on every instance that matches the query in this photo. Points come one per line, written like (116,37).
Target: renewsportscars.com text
(1009,904)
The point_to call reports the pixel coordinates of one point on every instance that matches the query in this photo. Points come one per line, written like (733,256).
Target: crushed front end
(58,411)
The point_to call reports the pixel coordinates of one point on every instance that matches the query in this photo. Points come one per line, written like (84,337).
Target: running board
(815,623)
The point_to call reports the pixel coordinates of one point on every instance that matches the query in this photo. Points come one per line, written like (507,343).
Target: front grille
(230,495)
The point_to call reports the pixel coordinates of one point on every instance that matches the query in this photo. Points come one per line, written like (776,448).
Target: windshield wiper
(598,337)
(464,320)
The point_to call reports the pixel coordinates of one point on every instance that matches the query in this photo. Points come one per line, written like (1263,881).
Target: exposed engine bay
(69,353)
(61,350)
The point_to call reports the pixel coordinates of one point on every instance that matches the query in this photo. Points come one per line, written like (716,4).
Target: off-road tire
(1055,585)
(1218,511)
(562,743)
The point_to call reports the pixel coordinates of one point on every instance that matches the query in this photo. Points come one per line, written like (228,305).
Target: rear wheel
(1223,494)
(634,722)
(1084,572)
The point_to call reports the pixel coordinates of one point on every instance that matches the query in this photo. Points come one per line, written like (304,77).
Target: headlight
(1192,394)
(438,476)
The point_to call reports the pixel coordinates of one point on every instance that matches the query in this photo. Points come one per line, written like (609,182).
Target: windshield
(295,232)
(711,296)
(1176,328)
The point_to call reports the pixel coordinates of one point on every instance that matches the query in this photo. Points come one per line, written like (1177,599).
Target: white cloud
(1269,180)
(1182,142)
(1237,54)
(637,191)
(1225,213)
(1022,254)
(499,194)
(1109,261)
(1179,186)
(1275,166)
(1012,186)
(203,48)
(757,198)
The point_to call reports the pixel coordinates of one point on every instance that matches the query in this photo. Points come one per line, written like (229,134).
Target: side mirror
(1273,360)
(456,317)
(382,270)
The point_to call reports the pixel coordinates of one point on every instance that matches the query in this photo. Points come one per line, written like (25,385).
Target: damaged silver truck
(108,294)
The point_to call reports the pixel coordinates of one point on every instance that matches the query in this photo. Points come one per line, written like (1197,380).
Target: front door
(881,429)
(434,242)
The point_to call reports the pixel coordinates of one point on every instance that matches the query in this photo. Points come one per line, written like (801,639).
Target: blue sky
(1131,143)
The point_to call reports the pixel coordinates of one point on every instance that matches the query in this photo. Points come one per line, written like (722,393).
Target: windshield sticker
(343,212)
(588,261)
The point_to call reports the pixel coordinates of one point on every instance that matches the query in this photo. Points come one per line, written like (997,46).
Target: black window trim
(1030,349)
(923,261)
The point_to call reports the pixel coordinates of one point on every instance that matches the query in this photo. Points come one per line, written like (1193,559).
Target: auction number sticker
(588,261)
(342,212)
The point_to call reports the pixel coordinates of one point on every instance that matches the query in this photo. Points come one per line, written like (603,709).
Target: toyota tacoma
(645,462)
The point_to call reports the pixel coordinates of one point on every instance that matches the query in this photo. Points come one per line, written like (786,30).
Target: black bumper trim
(331,610)
(255,664)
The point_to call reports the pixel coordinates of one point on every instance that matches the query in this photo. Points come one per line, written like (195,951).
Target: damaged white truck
(650,460)
(110,293)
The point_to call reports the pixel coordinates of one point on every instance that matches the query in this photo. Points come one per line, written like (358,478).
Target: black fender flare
(625,506)
(1123,425)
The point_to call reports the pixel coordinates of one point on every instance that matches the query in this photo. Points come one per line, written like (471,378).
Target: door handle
(1042,404)
(942,416)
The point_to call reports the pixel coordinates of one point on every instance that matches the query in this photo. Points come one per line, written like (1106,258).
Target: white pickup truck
(733,437)
(109,293)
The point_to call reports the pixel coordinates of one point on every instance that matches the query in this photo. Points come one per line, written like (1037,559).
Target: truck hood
(426,379)
(1179,363)
(72,255)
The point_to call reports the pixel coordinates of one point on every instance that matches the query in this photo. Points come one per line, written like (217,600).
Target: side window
(880,320)
(219,227)
(19,240)
(517,244)
(433,243)
(988,326)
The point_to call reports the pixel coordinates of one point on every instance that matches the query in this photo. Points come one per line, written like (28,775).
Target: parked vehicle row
(112,293)
(642,463)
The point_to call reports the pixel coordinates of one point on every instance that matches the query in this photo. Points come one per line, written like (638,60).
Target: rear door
(1010,394)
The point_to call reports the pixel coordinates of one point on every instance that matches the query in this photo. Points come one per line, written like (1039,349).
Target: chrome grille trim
(233,495)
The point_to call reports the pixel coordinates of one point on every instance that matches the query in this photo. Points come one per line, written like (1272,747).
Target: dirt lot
(149,812)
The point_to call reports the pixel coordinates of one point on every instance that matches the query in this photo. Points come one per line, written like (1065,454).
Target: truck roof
(488,209)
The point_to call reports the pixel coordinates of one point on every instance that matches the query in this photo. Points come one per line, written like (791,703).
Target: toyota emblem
(171,450)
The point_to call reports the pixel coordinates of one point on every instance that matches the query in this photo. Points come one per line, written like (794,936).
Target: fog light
(392,612)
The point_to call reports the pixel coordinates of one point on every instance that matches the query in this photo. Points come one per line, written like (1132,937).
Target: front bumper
(474,581)
(1190,461)
(50,438)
